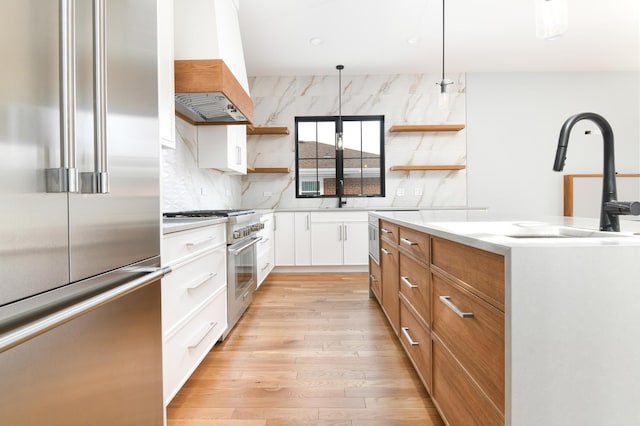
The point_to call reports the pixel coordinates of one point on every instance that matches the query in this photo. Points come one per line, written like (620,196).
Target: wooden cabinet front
(459,399)
(414,286)
(445,300)
(389,262)
(415,243)
(477,270)
(375,279)
(416,339)
(473,331)
(389,231)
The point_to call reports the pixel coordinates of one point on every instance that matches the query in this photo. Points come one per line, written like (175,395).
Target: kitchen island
(516,322)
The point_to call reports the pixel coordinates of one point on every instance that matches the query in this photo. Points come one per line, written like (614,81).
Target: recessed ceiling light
(413,39)
(316,41)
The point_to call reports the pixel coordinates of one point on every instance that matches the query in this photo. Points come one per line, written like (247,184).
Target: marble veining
(402,99)
(187,187)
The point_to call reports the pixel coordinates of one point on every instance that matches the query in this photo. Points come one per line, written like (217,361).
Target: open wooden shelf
(267,130)
(425,167)
(403,128)
(251,169)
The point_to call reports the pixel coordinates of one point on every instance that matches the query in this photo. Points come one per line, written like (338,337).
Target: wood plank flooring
(313,349)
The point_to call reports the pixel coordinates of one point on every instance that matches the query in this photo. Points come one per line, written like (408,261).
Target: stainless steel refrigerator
(80,327)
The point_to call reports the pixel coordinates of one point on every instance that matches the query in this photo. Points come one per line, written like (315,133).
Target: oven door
(242,277)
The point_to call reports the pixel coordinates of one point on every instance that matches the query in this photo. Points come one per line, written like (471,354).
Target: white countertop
(490,232)
(170,225)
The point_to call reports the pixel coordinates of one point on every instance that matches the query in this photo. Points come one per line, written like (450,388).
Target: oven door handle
(236,250)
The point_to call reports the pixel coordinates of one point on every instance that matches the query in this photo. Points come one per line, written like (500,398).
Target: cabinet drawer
(416,340)
(460,400)
(177,245)
(265,264)
(480,271)
(414,285)
(191,283)
(477,340)
(375,279)
(185,348)
(266,243)
(415,242)
(389,231)
(389,265)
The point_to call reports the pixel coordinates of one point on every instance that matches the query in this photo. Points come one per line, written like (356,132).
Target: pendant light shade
(443,97)
(339,142)
(552,18)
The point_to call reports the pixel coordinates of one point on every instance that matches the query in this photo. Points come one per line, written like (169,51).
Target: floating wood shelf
(256,130)
(403,128)
(424,167)
(251,169)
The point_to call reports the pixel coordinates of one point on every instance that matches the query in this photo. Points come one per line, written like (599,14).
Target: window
(320,166)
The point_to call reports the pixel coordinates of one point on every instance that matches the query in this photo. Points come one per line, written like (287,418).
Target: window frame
(339,155)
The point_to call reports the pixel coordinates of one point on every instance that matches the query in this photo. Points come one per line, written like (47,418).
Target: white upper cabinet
(223,148)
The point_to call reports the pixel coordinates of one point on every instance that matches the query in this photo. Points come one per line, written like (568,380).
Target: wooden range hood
(208,93)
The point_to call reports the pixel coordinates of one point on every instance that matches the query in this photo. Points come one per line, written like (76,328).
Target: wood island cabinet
(389,266)
(445,300)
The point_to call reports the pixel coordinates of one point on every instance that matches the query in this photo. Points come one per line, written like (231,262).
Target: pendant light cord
(340,68)
(443,40)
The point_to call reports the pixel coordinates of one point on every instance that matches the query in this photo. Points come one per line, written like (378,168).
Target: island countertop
(488,231)
(571,314)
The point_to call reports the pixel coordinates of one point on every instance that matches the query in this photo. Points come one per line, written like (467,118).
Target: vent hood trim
(201,77)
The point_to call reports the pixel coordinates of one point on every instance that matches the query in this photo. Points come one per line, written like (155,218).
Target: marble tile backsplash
(402,99)
(187,187)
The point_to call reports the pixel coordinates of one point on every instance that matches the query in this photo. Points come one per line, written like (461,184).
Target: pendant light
(339,142)
(552,18)
(443,97)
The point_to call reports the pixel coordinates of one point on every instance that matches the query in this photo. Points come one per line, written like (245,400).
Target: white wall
(513,123)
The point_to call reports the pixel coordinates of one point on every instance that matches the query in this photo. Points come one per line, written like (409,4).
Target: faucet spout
(340,190)
(608,214)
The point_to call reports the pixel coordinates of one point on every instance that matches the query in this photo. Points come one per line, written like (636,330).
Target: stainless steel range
(242,258)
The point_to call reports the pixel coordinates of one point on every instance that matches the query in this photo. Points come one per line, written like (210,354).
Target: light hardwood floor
(313,349)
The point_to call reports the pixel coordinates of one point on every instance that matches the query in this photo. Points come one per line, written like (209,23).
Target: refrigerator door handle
(33,329)
(65,177)
(97,182)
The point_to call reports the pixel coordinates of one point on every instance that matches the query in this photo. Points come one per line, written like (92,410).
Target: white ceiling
(370,36)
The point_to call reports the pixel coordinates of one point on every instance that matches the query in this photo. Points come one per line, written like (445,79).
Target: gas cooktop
(209,213)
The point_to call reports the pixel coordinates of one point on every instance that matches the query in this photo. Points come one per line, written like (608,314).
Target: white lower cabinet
(284,235)
(265,248)
(292,238)
(194,301)
(321,238)
(339,238)
(302,221)
(187,345)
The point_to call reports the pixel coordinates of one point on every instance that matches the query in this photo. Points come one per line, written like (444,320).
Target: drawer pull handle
(385,231)
(385,251)
(409,242)
(266,266)
(408,283)
(372,277)
(264,240)
(454,308)
(204,333)
(201,281)
(200,242)
(405,331)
